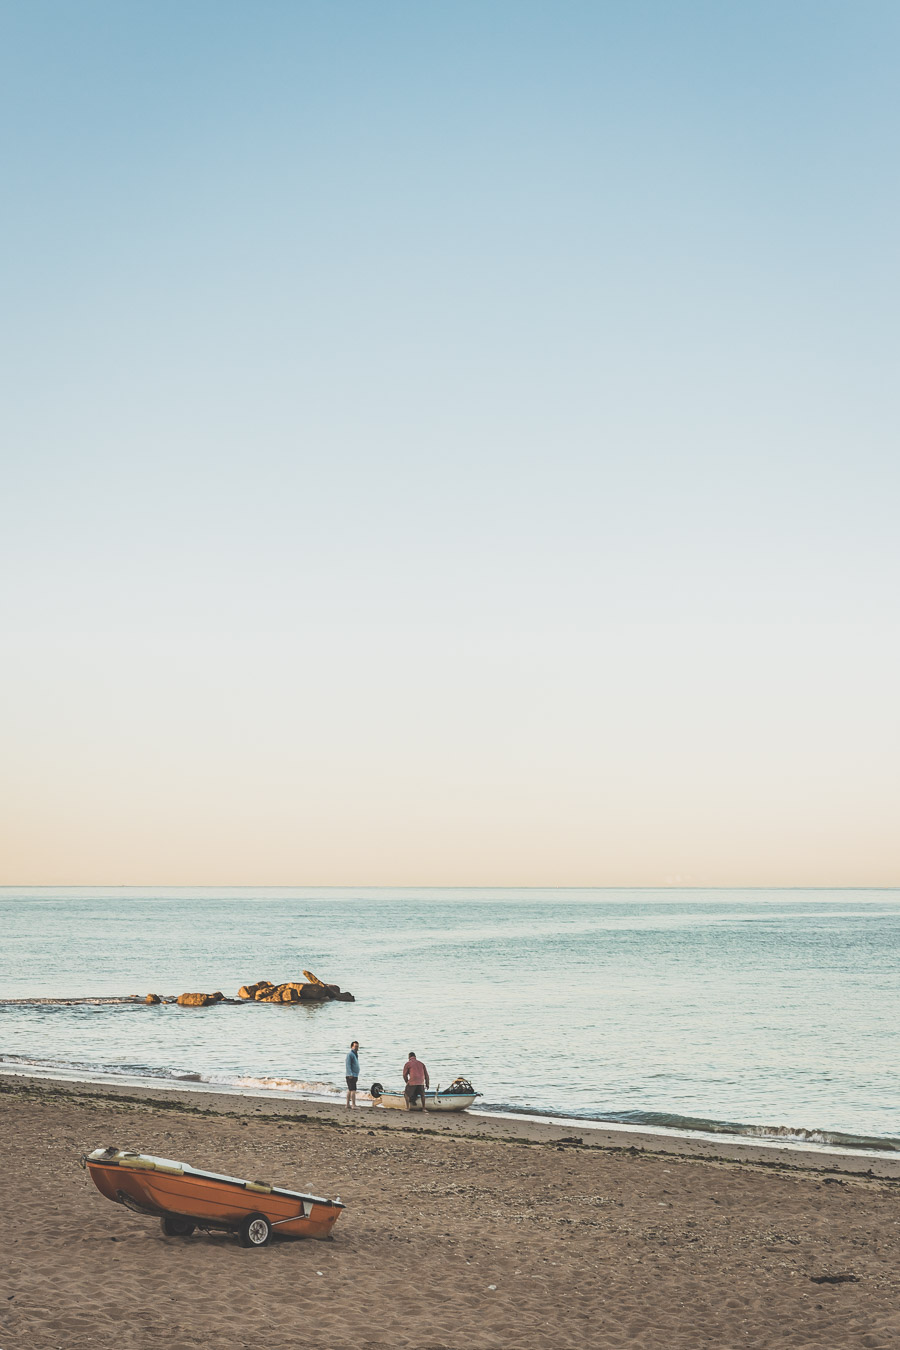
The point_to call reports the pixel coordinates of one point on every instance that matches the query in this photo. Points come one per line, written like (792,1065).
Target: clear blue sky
(450,442)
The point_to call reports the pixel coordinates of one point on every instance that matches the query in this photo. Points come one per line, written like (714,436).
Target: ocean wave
(64,1002)
(796,1134)
(279,1085)
(833,1138)
(790,1133)
(299,1087)
(72,1066)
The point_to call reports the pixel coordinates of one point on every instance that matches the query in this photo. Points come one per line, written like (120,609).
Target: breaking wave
(50,1067)
(789,1133)
(659,1120)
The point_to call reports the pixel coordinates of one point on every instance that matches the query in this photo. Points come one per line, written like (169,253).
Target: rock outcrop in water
(199,1000)
(312,990)
(255,990)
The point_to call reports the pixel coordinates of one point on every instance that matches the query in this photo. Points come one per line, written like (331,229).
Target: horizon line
(451,886)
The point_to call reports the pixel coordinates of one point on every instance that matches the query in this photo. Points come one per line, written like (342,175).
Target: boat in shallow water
(186,1198)
(457,1097)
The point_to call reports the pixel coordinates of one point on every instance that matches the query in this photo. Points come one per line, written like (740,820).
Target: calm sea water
(773,1011)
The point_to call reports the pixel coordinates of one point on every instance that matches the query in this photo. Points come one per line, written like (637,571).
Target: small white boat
(457,1097)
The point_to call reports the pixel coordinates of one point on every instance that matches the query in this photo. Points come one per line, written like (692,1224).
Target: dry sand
(454,1237)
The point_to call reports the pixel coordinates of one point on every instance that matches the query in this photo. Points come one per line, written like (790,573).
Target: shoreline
(778,1138)
(503,1127)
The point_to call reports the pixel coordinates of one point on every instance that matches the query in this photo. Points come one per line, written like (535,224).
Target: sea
(772,1014)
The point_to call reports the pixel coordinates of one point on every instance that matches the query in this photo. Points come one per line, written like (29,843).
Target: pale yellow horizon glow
(653,757)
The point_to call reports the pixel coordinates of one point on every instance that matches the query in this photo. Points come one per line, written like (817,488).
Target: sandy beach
(458,1233)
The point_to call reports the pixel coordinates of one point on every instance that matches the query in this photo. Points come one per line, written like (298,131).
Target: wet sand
(460,1233)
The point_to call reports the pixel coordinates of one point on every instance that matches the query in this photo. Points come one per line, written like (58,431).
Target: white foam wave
(280,1084)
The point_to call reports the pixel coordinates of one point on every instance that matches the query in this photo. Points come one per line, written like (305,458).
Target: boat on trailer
(457,1097)
(186,1198)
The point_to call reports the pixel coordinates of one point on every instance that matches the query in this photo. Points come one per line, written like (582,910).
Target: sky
(449,443)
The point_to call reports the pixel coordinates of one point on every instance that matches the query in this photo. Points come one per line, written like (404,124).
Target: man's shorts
(414,1090)
(351,1083)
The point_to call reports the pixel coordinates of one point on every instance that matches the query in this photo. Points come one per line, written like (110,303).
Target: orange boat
(186,1198)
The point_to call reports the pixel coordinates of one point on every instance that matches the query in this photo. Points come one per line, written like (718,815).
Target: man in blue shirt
(352,1072)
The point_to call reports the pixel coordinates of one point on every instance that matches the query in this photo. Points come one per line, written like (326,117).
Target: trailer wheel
(255,1231)
(172,1226)
(376,1091)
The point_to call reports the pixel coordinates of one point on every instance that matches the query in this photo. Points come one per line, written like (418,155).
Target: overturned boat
(457,1097)
(185,1198)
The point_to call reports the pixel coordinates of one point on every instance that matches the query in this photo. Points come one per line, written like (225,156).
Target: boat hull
(163,1187)
(434,1101)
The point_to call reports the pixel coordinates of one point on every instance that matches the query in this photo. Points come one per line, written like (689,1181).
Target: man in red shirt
(415,1075)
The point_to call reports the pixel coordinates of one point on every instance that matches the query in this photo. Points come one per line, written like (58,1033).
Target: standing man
(352,1071)
(415,1075)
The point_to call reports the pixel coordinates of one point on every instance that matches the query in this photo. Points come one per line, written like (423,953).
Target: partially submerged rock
(331,990)
(199,1000)
(292,991)
(312,990)
(254,990)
